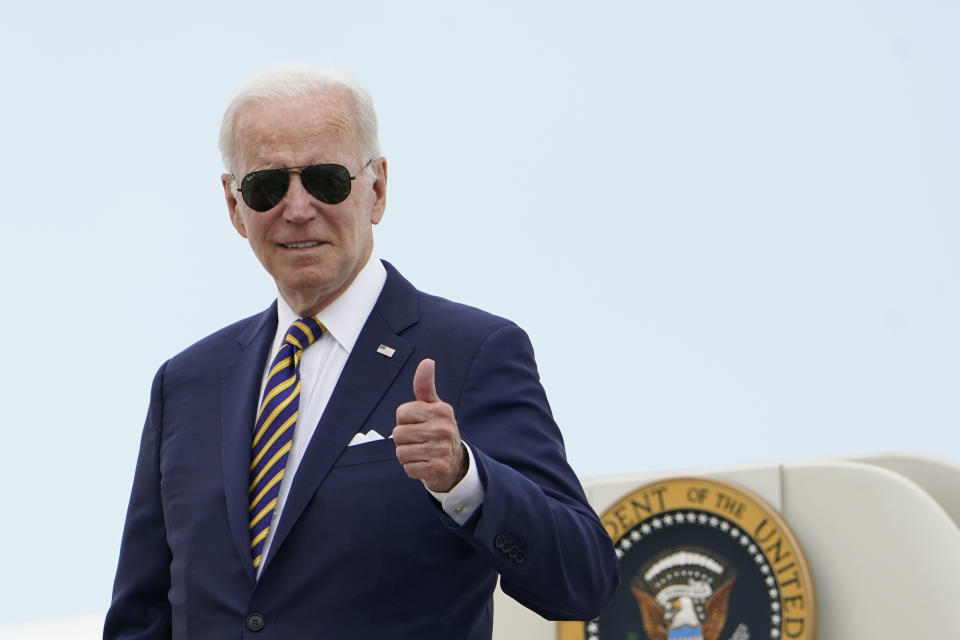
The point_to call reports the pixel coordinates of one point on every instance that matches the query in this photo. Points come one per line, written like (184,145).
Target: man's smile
(301,245)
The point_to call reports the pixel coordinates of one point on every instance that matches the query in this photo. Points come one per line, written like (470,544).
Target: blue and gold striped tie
(273,434)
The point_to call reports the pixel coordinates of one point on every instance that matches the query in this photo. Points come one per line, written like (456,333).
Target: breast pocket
(376,451)
(364,477)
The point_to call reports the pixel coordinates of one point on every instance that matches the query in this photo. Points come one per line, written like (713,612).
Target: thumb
(424,386)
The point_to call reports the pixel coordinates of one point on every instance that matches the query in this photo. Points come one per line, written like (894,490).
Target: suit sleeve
(535,524)
(140,609)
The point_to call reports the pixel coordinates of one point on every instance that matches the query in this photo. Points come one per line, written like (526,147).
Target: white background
(730,228)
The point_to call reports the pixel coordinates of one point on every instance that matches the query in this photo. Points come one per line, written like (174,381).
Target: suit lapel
(239,393)
(366,377)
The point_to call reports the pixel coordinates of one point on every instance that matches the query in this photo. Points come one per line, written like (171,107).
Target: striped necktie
(273,433)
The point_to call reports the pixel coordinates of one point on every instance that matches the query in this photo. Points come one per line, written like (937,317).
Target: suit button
(254,622)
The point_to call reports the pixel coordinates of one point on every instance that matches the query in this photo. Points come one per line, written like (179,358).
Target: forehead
(295,132)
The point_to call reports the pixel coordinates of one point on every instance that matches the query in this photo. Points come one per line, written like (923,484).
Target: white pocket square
(361,438)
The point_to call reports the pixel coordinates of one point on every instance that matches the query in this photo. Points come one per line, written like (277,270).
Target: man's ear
(379,187)
(231,195)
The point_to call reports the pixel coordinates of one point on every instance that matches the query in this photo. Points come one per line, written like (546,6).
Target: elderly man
(360,460)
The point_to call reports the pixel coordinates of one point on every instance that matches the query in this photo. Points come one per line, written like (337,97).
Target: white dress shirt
(320,368)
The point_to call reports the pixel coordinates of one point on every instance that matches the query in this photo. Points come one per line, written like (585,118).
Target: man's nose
(298,204)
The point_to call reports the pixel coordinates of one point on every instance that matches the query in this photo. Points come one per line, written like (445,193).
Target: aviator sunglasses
(330,183)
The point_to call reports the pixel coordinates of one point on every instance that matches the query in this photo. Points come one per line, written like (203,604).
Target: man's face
(313,250)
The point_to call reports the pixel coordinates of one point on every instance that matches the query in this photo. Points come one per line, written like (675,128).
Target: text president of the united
(362,459)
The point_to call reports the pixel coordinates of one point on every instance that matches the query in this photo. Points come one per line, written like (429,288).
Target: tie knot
(304,332)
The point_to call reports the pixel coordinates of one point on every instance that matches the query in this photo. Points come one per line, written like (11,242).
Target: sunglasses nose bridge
(299,202)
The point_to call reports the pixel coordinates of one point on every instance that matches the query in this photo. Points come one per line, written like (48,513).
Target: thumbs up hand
(427,437)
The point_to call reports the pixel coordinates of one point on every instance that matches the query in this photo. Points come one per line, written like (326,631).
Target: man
(362,459)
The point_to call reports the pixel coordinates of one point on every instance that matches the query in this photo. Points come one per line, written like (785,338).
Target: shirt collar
(345,316)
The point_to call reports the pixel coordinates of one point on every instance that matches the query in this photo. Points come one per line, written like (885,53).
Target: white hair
(290,82)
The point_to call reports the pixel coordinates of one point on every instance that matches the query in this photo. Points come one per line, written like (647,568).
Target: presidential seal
(702,559)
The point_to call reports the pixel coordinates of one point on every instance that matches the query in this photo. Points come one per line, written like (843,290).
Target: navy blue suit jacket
(361,550)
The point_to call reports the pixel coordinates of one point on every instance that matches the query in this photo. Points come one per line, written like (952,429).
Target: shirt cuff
(463,499)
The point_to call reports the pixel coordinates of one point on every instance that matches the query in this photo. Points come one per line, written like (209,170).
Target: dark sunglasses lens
(262,190)
(328,183)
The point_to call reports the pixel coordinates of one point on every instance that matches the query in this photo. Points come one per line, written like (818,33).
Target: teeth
(301,245)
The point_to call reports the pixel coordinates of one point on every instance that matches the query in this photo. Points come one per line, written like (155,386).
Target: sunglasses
(330,183)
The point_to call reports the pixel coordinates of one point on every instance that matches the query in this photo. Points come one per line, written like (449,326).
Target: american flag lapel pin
(384,350)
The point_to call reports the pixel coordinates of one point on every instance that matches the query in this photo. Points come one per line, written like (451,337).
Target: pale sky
(730,229)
